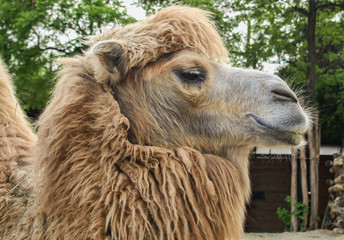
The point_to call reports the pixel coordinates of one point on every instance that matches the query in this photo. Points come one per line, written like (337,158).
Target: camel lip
(282,136)
(263,124)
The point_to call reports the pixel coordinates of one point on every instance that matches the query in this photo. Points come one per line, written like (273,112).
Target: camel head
(169,75)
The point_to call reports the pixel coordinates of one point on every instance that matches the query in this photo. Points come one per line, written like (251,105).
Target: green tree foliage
(330,71)
(34,33)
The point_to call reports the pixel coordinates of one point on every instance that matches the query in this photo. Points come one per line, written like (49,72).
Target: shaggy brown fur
(16,155)
(16,137)
(94,183)
(124,190)
(168,31)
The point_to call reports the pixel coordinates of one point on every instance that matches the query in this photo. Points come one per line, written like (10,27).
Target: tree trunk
(293,190)
(314,150)
(311,77)
(304,186)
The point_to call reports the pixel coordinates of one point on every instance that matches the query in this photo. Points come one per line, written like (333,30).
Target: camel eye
(190,75)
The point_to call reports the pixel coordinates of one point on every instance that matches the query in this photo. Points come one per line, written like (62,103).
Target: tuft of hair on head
(114,52)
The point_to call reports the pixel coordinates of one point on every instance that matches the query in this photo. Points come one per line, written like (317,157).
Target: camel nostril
(284,95)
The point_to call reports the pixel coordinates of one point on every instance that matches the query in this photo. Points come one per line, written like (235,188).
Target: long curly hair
(94,183)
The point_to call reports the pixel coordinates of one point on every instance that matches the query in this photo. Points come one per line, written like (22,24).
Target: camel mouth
(264,124)
(278,133)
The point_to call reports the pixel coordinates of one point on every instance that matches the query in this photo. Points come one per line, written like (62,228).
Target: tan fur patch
(16,156)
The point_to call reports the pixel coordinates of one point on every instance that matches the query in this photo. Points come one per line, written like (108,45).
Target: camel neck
(239,156)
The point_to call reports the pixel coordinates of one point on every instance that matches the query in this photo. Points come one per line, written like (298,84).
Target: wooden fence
(313,147)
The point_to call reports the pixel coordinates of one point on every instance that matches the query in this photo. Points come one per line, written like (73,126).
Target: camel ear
(109,61)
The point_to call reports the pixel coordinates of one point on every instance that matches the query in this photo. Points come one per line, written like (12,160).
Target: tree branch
(80,28)
(301,10)
(56,49)
(331,5)
(297,9)
(38,38)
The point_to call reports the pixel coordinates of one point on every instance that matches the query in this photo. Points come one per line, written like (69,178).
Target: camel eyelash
(191,75)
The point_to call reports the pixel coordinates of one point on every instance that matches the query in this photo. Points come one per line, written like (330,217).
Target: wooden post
(314,152)
(293,190)
(318,146)
(304,186)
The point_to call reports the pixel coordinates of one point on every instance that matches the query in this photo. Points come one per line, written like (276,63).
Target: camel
(147,136)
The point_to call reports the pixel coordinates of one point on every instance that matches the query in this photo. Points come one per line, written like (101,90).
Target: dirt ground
(317,234)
